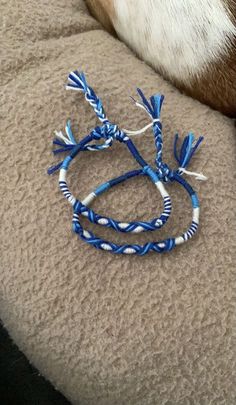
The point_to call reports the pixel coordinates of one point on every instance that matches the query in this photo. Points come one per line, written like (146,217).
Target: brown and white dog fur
(192,43)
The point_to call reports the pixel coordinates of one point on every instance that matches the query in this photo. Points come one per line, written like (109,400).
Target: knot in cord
(164,172)
(114,132)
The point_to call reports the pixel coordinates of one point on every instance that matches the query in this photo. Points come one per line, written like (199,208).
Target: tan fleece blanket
(105,329)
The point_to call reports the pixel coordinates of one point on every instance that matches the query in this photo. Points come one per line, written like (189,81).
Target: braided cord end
(153,105)
(77,81)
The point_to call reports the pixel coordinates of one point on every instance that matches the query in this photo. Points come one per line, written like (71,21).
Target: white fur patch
(177,37)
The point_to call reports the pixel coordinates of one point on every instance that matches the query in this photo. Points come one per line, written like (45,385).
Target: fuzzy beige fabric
(107,329)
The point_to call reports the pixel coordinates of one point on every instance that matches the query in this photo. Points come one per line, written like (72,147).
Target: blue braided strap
(101,244)
(161,173)
(158,247)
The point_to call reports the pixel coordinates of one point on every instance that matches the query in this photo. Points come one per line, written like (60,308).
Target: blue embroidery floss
(158,174)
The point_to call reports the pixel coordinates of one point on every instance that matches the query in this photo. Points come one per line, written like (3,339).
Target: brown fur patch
(230,7)
(103,11)
(217,86)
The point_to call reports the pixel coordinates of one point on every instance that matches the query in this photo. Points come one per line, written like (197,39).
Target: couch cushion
(111,329)
(33,20)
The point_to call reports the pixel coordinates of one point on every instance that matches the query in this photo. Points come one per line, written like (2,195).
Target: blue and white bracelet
(158,175)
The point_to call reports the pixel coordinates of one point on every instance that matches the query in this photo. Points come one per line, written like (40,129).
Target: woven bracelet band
(158,175)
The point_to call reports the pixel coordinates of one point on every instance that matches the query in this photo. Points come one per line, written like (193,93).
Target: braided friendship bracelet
(108,132)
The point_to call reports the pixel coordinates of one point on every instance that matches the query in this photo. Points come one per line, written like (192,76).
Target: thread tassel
(187,150)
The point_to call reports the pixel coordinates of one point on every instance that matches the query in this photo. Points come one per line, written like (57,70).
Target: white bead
(105,246)
(86,234)
(129,251)
(123,225)
(161,245)
(103,221)
(138,229)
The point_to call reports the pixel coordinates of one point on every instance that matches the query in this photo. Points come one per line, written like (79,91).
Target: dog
(191,43)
